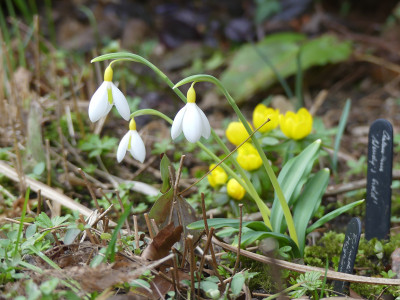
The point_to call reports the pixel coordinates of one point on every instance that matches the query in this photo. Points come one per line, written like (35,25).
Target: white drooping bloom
(133,143)
(191,120)
(105,97)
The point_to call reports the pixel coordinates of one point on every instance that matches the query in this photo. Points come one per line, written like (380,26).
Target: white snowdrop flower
(133,143)
(191,120)
(105,96)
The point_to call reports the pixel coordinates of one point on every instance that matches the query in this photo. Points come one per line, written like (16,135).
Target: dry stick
(174,202)
(172,270)
(145,166)
(39,204)
(3,120)
(76,109)
(14,221)
(46,191)
(333,275)
(93,238)
(37,52)
(53,213)
(207,245)
(63,154)
(123,210)
(185,250)
(102,215)
(89,187)
(189,241)
(213,258)
(238,247)
(154,226)
(100,190)
(136,229)
(175,264)
(70,124)
(226,157)
(148,223)
(48,162)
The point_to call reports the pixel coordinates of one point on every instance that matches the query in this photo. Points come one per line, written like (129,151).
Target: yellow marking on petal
(109,94)
(129,143)
(108,74)
(132,124)
(191,94)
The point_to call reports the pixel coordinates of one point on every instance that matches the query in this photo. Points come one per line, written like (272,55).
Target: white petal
(191,124)
(120,102)
(176,128)
(138,150)
(206,128)
(123,146)
(99,105)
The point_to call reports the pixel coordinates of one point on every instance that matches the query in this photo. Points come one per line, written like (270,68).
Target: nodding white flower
(191,120)
(133,143)
(105,96)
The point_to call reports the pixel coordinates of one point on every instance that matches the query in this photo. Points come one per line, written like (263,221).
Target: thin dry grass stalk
(303,269)
(46,191)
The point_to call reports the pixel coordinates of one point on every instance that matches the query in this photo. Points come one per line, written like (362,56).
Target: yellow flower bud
(261,113)
(235,190)
(217,177)
(248,157)
(108,74)
(296,125)
(191,94)
(236,133)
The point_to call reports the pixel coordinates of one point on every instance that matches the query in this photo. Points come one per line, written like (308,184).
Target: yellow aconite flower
(235,190)
(296,125)
(248,157)
(236,133)
(217,177)
(261,113)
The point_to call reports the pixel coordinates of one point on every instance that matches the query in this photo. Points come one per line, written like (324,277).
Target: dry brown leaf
(162,242)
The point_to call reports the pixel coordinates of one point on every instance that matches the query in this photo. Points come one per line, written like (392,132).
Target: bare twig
(89,187)
(46,191)
(123,210)
(303,269)
(136,229)
(148,223)
(189,241)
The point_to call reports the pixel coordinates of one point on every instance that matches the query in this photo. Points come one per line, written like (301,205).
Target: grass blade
(339,134)
(21,224)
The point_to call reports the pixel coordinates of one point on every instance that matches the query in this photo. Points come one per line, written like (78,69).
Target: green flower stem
(267,166)
(126,56)
(246,183)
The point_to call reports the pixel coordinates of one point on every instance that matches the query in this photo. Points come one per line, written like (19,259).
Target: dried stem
(213,258)
(39,204)
(48,162)
(123,210)
(89,187)
(148,223)
(136,229)
(189,241)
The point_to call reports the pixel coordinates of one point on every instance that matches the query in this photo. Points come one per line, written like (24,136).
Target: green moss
(372,258)
(263,280)
(329,247)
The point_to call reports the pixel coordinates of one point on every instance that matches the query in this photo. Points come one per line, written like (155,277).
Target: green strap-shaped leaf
(332,215)
(291,179)
(308,202)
